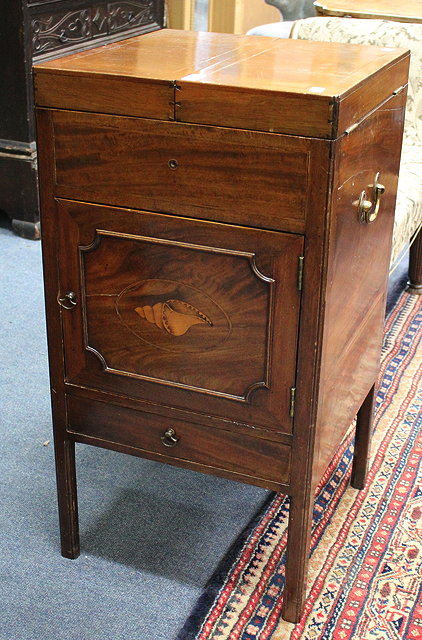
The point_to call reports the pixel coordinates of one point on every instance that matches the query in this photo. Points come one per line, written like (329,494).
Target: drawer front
(195,315)
(208,449)
(241,177)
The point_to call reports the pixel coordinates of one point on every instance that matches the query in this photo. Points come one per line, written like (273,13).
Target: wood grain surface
(357,275)
(175,216)
(240,369)
(167,167)
(276,83)
(213,451)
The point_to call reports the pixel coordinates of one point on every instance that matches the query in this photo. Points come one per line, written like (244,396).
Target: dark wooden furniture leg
(67,497)
(29,230)
(414,284)
(300,517)
(298,546)
(364,422)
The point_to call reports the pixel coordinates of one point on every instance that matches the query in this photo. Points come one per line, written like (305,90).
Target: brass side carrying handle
(368,210)
(169,439)
(68,301)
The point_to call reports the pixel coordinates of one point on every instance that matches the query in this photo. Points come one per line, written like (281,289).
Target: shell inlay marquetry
(156,311)
(173,316)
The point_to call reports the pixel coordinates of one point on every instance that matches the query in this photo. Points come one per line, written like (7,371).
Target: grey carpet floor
(151,535)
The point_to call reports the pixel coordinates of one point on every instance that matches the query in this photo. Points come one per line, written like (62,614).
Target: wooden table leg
(67,497)
(364,422)
(300,517)
(298,548)
(414,284)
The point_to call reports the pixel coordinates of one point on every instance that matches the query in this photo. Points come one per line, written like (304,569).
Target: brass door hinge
(300,273)
(174,103)
(292,402)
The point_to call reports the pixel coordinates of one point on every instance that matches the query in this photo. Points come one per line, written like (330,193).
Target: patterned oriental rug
(366,554)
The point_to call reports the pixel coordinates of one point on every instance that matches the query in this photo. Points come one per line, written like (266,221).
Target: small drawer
(242,457)
(228,175)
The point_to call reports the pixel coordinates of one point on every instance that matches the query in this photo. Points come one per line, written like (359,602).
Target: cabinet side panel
(307,380)
(64,447)
(359,255)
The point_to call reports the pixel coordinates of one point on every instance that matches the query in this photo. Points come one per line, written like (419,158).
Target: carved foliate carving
(58,30)
(100,21)
(67,28)
(122,15)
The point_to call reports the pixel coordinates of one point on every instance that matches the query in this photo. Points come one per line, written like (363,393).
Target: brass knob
(367,210)
(173,164)
(68,301)
(169,439)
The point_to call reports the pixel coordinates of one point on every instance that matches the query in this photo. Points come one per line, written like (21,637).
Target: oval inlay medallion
(173,316)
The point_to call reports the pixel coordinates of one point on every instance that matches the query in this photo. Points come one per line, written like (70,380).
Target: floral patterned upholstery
(387,34)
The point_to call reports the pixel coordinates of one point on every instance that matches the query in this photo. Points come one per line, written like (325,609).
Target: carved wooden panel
(189,307)
(184,310)
(65,27)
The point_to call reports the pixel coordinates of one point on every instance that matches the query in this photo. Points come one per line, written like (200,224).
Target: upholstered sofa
(408,216)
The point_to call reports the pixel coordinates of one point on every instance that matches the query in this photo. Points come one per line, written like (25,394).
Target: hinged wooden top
(267,84)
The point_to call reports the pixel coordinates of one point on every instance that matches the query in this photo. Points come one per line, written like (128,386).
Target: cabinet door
(198,316)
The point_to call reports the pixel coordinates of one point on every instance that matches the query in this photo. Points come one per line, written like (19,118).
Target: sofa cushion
(273,29)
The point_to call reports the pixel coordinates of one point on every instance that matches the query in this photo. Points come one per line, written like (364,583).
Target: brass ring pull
(68,301)
(169,439)
(367,210)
